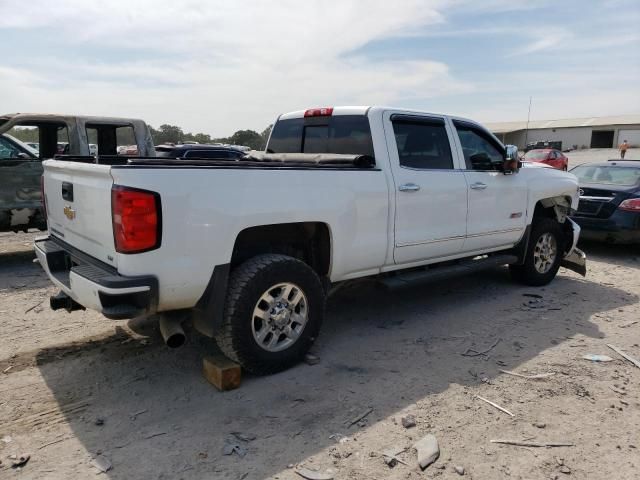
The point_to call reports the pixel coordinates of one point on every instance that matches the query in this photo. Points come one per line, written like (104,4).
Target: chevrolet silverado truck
(21,165)
(248,249)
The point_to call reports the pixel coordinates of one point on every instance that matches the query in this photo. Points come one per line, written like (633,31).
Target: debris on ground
(310,359)
(6,370)
(99,421)
(102,464)
(313,475)
(236,443)
(617,390)
(6,439)
(502,409)
(459,469)
(529,377)
(628,324)
(470,352)
(19,461)
(597,358)
(428,450)
(540,425)
(533,444)
(390,456)
(565,469)
(360,417)
(338,437)
(133,416)
(408,421)
(624,355)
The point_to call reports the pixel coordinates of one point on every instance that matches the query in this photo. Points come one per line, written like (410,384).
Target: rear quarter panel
(204,209)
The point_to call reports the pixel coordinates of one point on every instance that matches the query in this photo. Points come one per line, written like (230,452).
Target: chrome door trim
(425,242)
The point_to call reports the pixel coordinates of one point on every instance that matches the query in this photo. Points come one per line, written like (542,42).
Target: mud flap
(576,261)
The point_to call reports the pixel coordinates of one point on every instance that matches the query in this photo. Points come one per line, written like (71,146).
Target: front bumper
(94,284)
(575,259)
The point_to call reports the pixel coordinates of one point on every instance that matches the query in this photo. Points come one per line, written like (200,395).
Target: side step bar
(435,273)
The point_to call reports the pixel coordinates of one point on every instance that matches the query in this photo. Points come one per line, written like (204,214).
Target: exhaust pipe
(62,300)
(171,330)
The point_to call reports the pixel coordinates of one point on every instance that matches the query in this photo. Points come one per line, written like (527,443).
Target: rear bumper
(94,284)
(620,227)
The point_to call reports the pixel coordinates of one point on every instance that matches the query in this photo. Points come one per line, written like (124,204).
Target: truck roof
(17,118)
(364,110)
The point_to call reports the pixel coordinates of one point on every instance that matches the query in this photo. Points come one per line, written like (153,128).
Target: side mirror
(511,160)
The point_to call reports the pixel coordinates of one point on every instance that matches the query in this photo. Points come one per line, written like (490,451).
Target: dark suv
(199,151)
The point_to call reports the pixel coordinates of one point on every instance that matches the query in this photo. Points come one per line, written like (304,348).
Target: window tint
(480,151)
(423,145)
(343,134)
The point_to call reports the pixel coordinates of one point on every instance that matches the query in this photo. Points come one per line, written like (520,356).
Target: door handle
(478,186)
(409,187)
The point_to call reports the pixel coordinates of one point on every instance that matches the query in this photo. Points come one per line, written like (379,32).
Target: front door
(430,192)
(497,202)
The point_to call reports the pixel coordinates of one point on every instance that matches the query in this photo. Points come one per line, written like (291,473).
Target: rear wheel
(273,313)
(543,256)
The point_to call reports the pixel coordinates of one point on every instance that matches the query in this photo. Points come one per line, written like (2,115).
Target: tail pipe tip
(171,330)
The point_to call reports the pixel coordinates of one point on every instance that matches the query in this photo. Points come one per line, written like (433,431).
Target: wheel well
(556,208)
(307,241)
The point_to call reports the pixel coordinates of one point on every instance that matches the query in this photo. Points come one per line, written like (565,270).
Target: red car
(548,156)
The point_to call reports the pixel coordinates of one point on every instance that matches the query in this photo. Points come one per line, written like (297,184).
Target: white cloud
(226,64)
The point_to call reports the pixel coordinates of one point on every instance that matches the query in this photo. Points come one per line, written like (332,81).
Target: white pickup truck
(248,249)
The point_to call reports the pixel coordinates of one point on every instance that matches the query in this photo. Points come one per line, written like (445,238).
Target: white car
(247,249)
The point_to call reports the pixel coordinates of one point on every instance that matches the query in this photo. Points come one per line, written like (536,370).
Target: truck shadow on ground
(378,350)
(17,271)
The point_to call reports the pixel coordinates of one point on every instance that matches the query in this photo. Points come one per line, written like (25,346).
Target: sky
(217,66)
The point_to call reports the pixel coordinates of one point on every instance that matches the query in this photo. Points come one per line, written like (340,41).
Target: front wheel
(543,256)
(273,312)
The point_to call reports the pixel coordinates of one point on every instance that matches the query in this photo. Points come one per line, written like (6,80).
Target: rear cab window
(340,134)
(40,140)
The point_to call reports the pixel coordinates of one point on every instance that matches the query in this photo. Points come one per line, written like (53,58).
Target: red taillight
(136,219)
(630,205)
(319,112)
(44,199)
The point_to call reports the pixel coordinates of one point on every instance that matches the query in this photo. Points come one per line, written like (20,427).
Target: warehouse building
(594,132)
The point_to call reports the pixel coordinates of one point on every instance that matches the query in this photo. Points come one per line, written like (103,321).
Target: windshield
(536,155)
(344,134)
(623,176)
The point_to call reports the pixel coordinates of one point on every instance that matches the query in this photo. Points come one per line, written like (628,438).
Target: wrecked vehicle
(248,249)
(21,169)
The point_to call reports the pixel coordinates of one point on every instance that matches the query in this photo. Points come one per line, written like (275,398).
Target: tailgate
(78,201)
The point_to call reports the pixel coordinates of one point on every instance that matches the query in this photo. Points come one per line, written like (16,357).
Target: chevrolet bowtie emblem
(69,212)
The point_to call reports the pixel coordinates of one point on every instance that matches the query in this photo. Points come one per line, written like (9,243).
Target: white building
(593,132)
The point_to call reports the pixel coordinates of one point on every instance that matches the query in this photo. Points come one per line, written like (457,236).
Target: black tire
(527,273)
(247,283)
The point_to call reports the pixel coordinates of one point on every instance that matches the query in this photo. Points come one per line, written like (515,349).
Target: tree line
(174,134)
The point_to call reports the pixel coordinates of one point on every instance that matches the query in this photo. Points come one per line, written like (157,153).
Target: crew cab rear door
(430,191)
(78,203)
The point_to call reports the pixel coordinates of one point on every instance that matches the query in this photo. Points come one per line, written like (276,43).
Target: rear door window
(423,145)
(341,134)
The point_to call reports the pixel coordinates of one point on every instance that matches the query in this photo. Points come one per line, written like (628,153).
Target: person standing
(624,146)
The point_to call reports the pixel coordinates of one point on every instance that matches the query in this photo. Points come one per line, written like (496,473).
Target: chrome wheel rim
(279,317)
(545,252)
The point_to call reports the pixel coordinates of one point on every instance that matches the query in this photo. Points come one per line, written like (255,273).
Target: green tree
(248,138)
(167,134)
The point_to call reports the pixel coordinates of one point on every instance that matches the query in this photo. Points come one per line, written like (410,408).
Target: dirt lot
(77,387)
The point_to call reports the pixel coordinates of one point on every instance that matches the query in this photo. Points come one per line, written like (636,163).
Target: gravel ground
(77,387)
